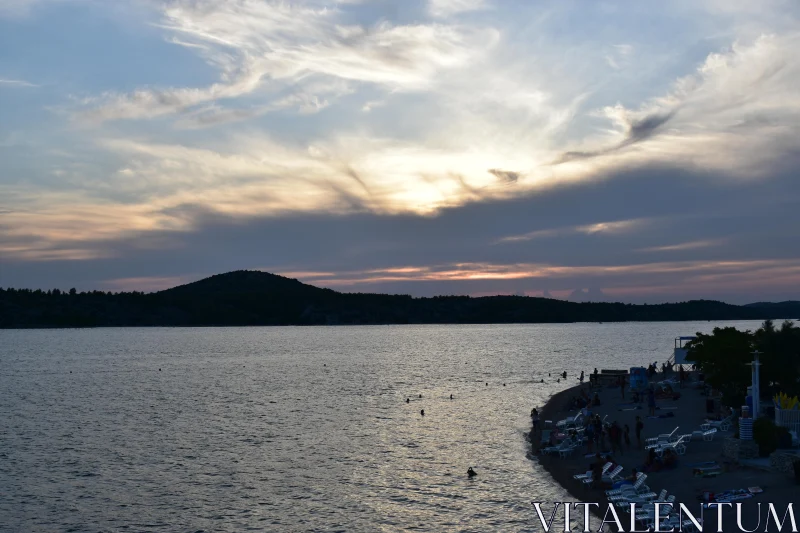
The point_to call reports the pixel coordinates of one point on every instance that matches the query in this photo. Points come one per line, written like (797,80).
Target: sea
(292,429)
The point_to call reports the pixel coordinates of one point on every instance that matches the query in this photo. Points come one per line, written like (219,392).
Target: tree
(723,357)
(781,349)
(72,291)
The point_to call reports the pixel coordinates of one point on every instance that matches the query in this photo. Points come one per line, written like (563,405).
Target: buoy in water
(471,472)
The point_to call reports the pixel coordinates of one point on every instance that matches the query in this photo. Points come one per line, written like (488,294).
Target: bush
(765,433)
(784,437)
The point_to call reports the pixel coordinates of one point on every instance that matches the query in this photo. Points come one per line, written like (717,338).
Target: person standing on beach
(581,378)
(639,427)
(589,433)
(615,437)
(651,401)
(535,419)
(598,432)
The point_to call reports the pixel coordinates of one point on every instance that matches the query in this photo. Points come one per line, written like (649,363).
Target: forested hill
(245,298)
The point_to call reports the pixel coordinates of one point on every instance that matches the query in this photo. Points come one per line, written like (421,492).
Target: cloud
(506,175)
(262,48)
(733,98)
(410,146)
(16,83)
(448,8)
(753,223)
(691,245)
(618,226)
(588,295)
(619,56)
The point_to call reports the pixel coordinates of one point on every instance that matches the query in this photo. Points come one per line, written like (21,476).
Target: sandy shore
(689,412)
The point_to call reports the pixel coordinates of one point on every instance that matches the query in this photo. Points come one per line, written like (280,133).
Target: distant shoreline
(204,326)
(252,298)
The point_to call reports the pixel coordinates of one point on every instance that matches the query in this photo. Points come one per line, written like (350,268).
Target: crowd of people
(605,439)
(584,402)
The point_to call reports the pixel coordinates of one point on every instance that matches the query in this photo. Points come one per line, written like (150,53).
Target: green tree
(723,357)
(781,360)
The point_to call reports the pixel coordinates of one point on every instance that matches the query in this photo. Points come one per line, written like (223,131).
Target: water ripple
(288,429)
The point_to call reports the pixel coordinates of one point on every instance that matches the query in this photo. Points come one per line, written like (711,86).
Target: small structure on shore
(680,351)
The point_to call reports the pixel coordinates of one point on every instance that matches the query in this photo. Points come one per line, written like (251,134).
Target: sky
(589,150)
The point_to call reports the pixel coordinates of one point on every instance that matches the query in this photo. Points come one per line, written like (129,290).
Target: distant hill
(253,298)
(788,308)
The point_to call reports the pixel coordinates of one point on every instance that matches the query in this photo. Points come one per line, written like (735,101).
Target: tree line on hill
(253,298)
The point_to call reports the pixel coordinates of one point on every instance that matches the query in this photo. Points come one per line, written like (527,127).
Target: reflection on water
(289,429)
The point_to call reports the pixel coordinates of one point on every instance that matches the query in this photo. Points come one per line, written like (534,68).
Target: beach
(688,412)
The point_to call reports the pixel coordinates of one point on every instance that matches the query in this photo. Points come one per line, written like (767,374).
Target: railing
(788,418)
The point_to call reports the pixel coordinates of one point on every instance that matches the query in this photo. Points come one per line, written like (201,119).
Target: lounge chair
(566,443)
(634,489)
(709,435)
(663,437)
(625,499)
(588,474)
(570,421)
(722,425)
(567,450)
(678,446)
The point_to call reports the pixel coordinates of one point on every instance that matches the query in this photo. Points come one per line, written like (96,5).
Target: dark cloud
(742,221)
(505,175)
(645,128)
(638,131)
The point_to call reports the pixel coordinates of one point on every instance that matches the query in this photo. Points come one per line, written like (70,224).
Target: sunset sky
(635,151)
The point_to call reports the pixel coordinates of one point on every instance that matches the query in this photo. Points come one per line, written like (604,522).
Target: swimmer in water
(408,400)
(422,412)
(451,396)
(471,472)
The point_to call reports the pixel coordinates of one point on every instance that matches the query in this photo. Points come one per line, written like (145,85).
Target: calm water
(289,429)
